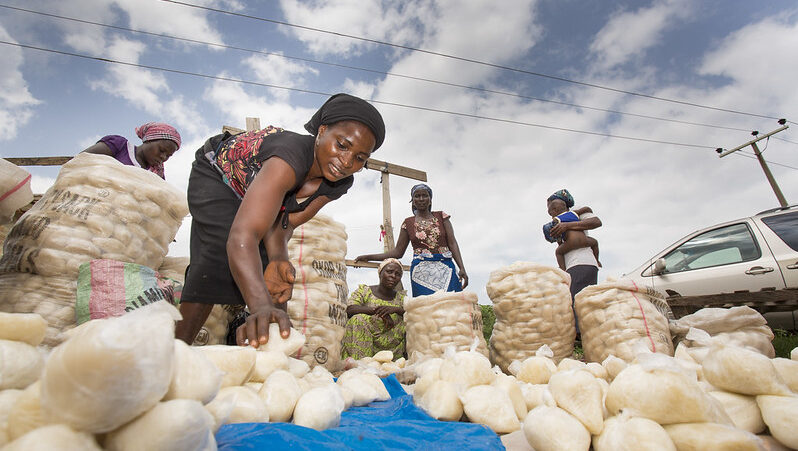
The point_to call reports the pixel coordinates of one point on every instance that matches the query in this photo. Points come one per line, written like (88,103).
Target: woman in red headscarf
(159,142)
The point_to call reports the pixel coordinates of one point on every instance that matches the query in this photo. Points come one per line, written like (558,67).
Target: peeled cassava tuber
(320,408)
(781,415)
(280,393)
(25,327)
(195,376)
(53,437)
(111,370)
(627,433)
(710,436)
(236,362)
(20,364)
(490,406)
(553,429)
(180,424)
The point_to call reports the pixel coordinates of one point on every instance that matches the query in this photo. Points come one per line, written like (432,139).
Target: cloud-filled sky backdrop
(500,103)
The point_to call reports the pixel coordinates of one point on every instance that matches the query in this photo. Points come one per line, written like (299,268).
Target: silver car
(752,261)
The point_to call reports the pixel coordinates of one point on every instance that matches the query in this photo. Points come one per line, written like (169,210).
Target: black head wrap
(343,107)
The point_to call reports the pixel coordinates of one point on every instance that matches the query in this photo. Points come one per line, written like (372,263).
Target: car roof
(778,209)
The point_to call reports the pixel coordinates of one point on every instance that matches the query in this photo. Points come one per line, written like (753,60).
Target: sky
(500,103)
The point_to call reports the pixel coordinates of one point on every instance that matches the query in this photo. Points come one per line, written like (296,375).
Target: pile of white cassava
(654,402)
(125,383)
(97,208)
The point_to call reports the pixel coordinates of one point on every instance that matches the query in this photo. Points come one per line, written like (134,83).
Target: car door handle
(759,270)
(793,266)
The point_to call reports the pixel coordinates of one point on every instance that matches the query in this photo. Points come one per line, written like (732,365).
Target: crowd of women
(247,192)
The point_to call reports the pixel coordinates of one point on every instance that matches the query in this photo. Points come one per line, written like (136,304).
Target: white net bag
(622,319)
(443,319)
(737,326)
(532,304)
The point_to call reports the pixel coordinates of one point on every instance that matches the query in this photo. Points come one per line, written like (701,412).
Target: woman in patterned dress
(375,316)
(247,193)
(435,249)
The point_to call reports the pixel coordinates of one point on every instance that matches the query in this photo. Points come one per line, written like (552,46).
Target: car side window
(786,227)
(722,246)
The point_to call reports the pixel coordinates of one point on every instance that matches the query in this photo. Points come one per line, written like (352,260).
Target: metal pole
(769,175)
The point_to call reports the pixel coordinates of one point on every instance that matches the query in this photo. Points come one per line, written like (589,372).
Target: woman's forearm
(244,259)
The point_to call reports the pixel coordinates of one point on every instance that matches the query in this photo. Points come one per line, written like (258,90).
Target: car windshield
(786,227)
(722,246)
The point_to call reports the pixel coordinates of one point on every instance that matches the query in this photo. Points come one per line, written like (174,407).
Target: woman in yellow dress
(376,316)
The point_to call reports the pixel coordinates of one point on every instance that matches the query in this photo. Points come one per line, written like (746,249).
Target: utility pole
(762,162)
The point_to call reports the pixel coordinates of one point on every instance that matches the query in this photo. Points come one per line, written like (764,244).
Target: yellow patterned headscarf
(388,261)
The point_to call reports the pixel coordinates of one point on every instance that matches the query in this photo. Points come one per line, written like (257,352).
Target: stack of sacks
(621,319)
(214,331)
(533,308)
(317,308)
(435,322)
(98,208)
(738,326)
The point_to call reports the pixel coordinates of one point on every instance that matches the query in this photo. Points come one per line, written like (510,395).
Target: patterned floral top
(238,158)
(428,236)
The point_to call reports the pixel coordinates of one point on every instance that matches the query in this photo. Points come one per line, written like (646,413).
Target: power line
(469,60)
(392,74)
(326,94)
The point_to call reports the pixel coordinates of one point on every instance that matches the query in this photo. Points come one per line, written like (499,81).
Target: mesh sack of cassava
(737,326)
(317,307)
(97,208)
(532,303)
(443,319)
(621,319)
(51,297)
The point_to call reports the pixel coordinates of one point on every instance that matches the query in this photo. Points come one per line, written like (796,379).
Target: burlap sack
(435,322)
(622,319)
(317,307)
(532,304)
(51,297)
(97,208)
(737,326)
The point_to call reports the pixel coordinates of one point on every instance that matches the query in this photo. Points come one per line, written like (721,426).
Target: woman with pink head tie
(159,142)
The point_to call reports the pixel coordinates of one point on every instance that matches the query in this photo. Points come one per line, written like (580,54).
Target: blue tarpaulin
(393,424)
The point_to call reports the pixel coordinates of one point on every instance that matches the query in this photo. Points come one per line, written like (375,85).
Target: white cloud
(630,34)
(278,71)
(16,102)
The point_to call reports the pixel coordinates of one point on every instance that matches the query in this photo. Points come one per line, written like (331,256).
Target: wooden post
(386,212)
(253,123)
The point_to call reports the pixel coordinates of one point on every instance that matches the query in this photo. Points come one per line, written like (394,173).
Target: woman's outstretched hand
(255,330)
(280,276)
